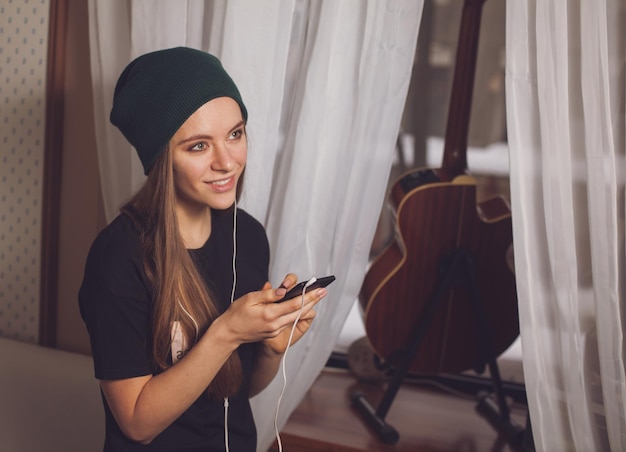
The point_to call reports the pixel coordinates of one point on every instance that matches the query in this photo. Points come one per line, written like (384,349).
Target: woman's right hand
(256,317)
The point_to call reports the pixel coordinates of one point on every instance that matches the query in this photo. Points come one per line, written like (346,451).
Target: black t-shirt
(115,303)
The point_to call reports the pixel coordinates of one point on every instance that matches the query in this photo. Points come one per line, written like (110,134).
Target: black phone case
(297,289)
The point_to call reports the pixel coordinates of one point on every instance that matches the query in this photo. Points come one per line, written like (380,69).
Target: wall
(23,48)
(23,51)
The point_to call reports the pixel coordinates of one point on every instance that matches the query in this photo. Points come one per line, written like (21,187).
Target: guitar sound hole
(418,178)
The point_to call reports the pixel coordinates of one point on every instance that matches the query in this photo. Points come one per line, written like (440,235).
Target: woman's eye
(198,147)
(236,134)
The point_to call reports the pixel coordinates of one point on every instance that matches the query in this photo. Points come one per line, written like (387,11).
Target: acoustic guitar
(436,214)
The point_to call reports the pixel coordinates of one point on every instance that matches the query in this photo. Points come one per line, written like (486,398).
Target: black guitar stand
(457,269)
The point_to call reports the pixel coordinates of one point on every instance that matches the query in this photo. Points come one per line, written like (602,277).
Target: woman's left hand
(287,312)
(278,344)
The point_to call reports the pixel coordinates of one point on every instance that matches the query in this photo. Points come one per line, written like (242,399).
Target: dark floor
(427,417)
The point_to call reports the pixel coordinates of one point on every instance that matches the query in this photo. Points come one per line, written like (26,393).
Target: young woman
(182,320)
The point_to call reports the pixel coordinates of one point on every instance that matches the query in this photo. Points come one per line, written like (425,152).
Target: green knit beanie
(158,91)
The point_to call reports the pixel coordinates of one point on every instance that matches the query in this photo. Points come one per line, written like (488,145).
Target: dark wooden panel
(52,172)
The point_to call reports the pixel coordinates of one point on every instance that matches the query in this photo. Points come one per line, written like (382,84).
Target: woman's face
(209,155)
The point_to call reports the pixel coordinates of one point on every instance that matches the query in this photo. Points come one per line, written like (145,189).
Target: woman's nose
(222,161)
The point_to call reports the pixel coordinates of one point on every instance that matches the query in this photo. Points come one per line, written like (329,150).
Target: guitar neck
(457,128)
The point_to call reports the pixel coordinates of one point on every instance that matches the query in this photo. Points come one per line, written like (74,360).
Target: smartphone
(296,291)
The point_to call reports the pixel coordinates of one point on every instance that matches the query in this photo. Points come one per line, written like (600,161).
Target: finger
(315,296)
(297,309)
(270,295)
(290,280)
(289,310)
(280,291)
(309,315)
(310,299)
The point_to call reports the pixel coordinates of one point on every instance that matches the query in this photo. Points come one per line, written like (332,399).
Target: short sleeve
(115,301)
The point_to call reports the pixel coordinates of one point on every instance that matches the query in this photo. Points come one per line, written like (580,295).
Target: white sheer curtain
(565,108)
(325,84)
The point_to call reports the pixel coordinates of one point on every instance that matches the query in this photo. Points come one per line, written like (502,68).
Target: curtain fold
(325,84)
(566,124)
(331,179)
(120,168)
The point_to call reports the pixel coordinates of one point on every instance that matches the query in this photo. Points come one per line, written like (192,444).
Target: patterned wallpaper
(23,47)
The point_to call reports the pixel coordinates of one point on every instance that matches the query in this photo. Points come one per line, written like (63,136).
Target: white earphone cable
(232,293)
(284,369)
(195,324)
(226,404)
(232,298)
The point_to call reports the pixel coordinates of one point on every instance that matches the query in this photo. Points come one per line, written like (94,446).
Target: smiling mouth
(223,185)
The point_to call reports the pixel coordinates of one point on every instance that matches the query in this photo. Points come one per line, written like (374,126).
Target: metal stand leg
(460,260)
(497,413)
(376,418)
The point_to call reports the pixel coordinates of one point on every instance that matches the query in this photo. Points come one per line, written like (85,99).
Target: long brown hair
(179,291)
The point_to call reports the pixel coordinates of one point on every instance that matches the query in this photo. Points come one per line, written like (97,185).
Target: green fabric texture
(158,91)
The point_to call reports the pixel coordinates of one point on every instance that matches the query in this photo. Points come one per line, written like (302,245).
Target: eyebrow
(206,137)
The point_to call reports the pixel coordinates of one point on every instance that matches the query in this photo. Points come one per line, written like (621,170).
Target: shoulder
(121,228)
(247,221)
(251,231)
(252,238)
(115,254)
(114,278)
(253,253)
(118,238)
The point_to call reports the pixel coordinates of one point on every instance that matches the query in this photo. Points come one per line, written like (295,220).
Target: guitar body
(433,219)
